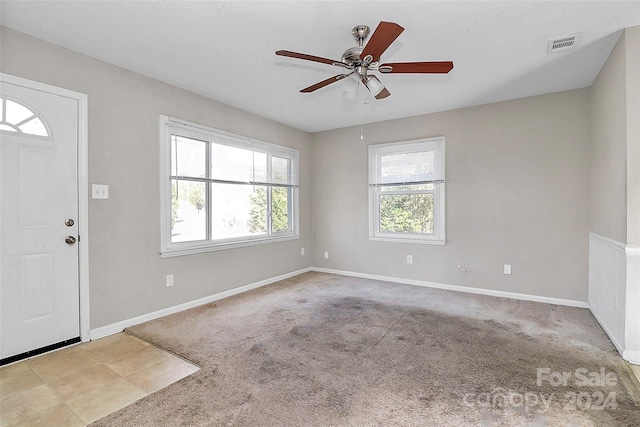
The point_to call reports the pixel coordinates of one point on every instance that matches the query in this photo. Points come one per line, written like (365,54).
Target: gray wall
(615,143)
(608,127)
(516,193)
(632,44)
(127,275)
(632,65)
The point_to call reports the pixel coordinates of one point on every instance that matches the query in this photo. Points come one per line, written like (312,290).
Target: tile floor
(78,385)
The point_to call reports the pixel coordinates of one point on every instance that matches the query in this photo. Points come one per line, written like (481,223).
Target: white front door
(39,285)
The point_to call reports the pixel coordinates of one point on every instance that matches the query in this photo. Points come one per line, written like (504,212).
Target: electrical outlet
(301,251)
(507,269)
(326,255)
(169,280)
(409,259)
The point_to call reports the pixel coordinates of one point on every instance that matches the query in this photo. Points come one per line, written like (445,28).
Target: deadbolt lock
(69,222)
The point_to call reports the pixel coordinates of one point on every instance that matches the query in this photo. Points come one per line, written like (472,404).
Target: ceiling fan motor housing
(351,56)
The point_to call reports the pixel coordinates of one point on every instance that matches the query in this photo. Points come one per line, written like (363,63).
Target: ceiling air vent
(562,43)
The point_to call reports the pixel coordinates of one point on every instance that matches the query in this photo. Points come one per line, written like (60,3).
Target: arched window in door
(16,117)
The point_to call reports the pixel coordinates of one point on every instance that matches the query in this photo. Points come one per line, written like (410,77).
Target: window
(406,191)
(221,190)
(15,117)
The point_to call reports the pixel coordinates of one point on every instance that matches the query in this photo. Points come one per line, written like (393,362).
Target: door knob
(70,240)
(69,222)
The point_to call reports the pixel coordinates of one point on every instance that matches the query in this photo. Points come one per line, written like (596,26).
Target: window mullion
(269,198)
(290,208)
(208,205)
(400,192)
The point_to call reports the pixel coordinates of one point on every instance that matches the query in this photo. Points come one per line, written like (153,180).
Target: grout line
(74,413)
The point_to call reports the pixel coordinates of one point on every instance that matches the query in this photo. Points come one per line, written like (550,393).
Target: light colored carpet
(327,350)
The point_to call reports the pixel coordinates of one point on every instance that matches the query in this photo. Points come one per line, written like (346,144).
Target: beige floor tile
(54,357)
(159,375)
(140,360)
(102,401)
(18,408)
(64,364)
(16,378)
(117,348)
(73,387)
(59,416)
(13,370)
(81,382)
(108,340)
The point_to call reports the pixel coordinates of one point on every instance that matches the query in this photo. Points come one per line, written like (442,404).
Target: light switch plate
(99,191)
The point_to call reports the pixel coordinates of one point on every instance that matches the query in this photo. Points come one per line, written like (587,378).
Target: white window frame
(436,144)
(170,126)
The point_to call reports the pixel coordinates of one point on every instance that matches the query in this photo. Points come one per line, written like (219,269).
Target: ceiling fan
(361,60)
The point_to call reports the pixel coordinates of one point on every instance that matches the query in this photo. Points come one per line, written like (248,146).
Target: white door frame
(83,189)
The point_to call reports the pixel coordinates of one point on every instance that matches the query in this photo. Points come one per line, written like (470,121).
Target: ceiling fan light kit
(374,85)
(360,60)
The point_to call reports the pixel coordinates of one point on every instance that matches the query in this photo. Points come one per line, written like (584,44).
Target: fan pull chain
(362,119)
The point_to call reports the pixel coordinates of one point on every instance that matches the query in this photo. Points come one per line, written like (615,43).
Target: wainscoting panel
(607,286)
(632,324)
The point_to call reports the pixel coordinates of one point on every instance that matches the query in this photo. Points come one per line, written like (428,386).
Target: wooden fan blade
(383,94)
(382,37)
(309,57)
(324,83)
(416,67)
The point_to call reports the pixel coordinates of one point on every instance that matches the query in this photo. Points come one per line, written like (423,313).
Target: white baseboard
(611,336)
(114,328)
(631,356)
(480,291)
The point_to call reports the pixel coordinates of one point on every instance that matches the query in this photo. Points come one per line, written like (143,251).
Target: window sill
(190,250)
(405,240)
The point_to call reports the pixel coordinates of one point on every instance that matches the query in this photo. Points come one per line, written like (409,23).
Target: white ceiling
(225,50)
